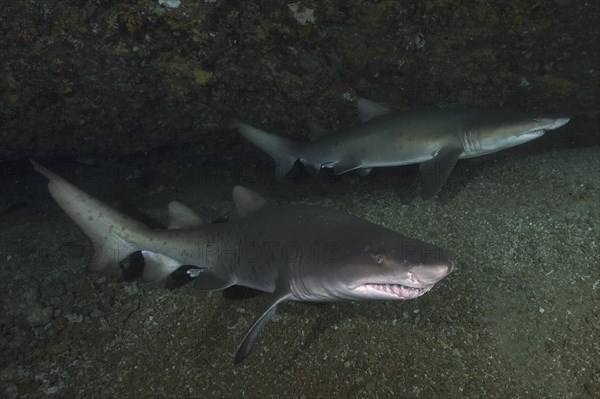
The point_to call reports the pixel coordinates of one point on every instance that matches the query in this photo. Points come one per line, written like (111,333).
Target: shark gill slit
(470,142)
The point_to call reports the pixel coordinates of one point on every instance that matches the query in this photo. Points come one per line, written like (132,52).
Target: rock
(57,349)
(39,316)
(11,391)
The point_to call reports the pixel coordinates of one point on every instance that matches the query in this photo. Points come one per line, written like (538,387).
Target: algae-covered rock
(119,77)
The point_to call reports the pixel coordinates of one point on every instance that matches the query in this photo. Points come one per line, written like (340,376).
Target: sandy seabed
(518,318)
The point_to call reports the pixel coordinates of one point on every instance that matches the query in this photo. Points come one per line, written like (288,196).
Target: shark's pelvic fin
(284,151)
(157,266)
(182,217)
(247,201)
(346,166)
(114,235)
(258,324)
(435,172)
(313,170)
(368,109)
(363,171)
(209,280)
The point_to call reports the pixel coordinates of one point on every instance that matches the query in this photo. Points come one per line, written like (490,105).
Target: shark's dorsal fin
(258,324)
(316,131)
(247,201)
(368,109)
(435,172)
(182,217)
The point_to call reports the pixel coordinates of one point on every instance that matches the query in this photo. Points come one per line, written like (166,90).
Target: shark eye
(379,259)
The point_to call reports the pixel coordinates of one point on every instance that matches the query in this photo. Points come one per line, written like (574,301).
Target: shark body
(296,253)
(435,139)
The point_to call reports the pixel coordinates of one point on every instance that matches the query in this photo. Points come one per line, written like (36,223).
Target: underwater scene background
(129,101)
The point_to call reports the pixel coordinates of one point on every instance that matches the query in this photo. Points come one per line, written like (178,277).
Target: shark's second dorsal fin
(182,217)
(247,201)
(368,109)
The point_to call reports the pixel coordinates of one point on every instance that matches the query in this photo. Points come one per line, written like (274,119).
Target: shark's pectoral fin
(250,338)
(435,172)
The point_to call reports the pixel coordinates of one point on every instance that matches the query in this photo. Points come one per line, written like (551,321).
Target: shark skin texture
(293,252)
(434,138)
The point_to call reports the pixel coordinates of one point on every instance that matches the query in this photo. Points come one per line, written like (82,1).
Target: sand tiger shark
(434,138)
(293,252)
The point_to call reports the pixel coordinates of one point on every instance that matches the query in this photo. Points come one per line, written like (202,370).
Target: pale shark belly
(396,152)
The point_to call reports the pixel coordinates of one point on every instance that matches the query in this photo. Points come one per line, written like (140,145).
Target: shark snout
(561,121)
(551,122)
(430,274)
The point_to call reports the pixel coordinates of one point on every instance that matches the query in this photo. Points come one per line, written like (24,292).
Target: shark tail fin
(284,151)
(114,235)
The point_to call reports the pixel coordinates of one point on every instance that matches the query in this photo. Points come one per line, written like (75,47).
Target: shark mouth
(392,291)
(535,132)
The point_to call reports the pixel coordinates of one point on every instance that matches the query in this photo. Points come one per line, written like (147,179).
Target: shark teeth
(399,290)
